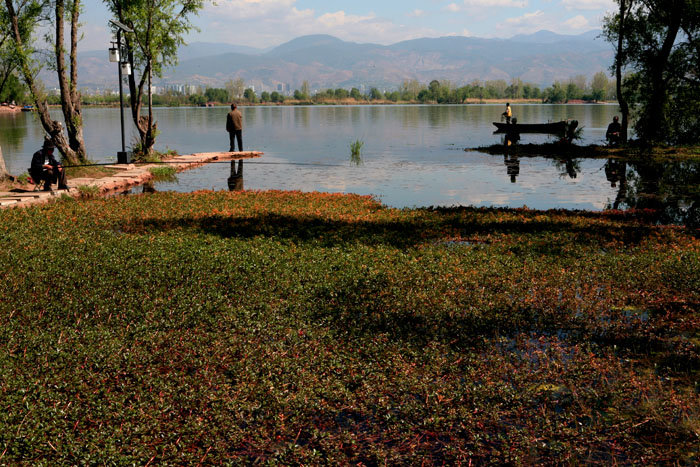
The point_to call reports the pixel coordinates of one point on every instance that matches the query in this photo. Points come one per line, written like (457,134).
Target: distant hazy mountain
(326,61)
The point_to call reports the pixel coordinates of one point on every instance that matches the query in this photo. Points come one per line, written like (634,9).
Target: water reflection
(235,181)
(512,163)
(616,173)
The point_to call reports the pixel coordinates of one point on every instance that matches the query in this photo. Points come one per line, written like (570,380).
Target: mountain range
(326,61)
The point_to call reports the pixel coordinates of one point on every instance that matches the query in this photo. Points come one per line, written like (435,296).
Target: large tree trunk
(4,175)
(73,148)
(70,97)
(52,127)
(144,125)
(619,60)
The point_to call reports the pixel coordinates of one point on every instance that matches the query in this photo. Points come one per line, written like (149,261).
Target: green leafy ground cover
(317,328)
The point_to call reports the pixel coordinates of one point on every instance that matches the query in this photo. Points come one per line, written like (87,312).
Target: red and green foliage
(317,328)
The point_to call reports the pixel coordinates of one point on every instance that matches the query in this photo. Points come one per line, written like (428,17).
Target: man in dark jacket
(46,168)
(614,131)
(234,126)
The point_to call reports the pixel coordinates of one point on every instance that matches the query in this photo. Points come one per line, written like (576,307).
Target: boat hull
(554,128)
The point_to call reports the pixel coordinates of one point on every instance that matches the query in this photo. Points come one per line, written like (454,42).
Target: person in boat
(508,114)
(46,168)
(234,126)
(614,132)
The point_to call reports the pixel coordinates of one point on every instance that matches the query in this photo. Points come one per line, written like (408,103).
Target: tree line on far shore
(600,88)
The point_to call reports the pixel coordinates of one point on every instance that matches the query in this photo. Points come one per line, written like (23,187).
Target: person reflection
(149,187)
(616,172)
(235,181)
(512,163)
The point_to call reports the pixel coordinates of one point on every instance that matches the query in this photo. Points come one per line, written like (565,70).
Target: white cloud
(417,13)
(578,23)
(264,23)
(496,3)
(589,4)
(452,7)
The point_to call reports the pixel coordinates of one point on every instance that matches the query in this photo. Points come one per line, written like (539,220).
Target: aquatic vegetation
(307,328)
(163,173)
(356,152)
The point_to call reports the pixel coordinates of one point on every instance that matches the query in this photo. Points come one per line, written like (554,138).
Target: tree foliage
(659,45)
(19,19)
(159,30)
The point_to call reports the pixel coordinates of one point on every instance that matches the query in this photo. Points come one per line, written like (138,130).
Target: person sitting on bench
(46,168)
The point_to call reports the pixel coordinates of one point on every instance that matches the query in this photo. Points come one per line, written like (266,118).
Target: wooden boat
(554,128)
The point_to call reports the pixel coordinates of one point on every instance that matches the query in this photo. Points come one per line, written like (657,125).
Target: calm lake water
(412,155)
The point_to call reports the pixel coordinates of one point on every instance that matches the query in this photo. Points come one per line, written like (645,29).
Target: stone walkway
(129,176)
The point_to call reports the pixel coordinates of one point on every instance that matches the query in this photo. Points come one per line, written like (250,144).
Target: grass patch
(90,172)
(296,328)
(163,174)
(88,191)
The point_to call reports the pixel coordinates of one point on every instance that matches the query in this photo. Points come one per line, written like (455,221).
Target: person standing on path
(234,126)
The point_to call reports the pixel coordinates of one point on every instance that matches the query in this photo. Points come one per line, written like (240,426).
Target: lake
(412,155)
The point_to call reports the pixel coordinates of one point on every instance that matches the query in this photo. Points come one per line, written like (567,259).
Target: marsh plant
(88,191)
(356,152)
(163,174)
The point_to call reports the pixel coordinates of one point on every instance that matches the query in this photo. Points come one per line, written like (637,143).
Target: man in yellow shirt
(508,113)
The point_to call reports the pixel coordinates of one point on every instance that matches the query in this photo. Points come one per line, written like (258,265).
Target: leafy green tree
(216,95)
(355,94)
(341,93)
(159,29)
(599,86)
(276,97)
(264,96)
(658,41)
(13,89)
(555,94)
(375,94)
(305,91)
(250,96)
(18,21)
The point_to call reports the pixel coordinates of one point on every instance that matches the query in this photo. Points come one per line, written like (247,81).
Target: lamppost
(115,56)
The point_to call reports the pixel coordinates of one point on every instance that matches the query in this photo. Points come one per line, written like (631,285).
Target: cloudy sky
(267,23)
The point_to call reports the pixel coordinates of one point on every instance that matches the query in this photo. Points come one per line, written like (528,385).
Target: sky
(268,23)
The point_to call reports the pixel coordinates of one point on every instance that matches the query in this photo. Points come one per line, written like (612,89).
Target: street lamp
(116,55)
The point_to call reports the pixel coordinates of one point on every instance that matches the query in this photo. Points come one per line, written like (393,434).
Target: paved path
(128,176)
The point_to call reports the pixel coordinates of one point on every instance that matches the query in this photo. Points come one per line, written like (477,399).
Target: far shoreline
(354,103)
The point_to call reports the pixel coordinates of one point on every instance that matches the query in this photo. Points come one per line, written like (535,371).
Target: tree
(265,96)
(235,88)
(305,92)
(599,86)
(375,94)
(250,96)
(216,95)
(21,17)
(276,97)
(658,41)
(355,94)
(159,29)
(4,175)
